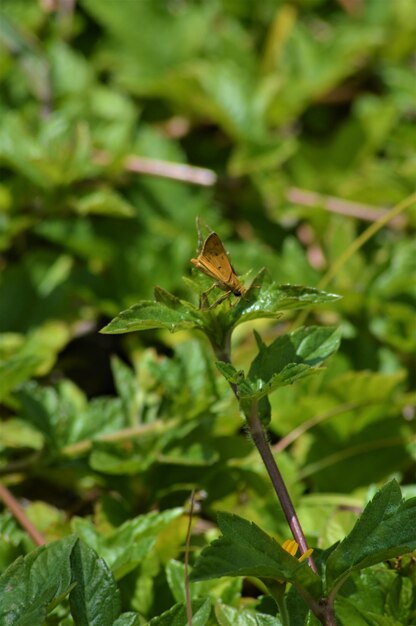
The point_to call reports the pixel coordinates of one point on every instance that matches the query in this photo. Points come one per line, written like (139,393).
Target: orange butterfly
(214,262)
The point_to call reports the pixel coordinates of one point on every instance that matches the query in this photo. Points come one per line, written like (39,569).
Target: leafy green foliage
(245,550)
(302,114)
(385,530)
(288,359)
(264,299)
(388,597)
(32,584)
(95,597)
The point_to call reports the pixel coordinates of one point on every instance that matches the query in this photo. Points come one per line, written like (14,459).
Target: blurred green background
(302,115)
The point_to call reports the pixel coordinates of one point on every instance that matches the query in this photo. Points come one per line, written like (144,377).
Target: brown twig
(164,169)
(17,511)
(332,204)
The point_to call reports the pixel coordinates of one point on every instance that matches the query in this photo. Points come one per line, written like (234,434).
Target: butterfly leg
(220,299)
(203,299)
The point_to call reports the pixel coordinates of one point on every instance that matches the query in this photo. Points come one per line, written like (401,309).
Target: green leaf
(33,354)
(95,600)
(21,152)
(385,529)
(230,616)
(31,584)
(114,459)
(245,550)
(166,312)
(267,299)
(128,619)
(126,546)
(288,359)
(177,616)
(175,574)
(194,454)
(229,372)
(103,202)
(63,416)
(291,356)
(126,384)
(376,594)
(15,370)
(264,299)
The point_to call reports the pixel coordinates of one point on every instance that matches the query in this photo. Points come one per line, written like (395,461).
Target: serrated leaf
(245,550)
(267,299)
(230,373)
(128,544)
(288,359)
(264,299)
(169,313)
(34,582)
(95,600)
(308,346)
(63,416)
(385,529)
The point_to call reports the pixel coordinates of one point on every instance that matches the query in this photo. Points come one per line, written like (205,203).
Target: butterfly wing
(214,254)
(214,262)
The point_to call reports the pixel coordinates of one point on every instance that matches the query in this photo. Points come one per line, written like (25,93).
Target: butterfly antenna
(200,224)
(200,236)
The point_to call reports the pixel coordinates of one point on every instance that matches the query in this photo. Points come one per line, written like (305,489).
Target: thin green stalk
(277,592)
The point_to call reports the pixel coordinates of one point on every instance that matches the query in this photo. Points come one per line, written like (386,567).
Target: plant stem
(259,438)
(11,503)
(260,441)
(323,609)
(277,591)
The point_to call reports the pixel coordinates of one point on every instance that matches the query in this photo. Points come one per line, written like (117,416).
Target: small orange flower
(291,547)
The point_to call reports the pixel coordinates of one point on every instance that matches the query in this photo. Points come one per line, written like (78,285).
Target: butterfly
(214,262)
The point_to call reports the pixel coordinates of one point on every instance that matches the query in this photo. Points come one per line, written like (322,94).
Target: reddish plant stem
(323,609)
(259,437)
(18,512)
(260,440)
